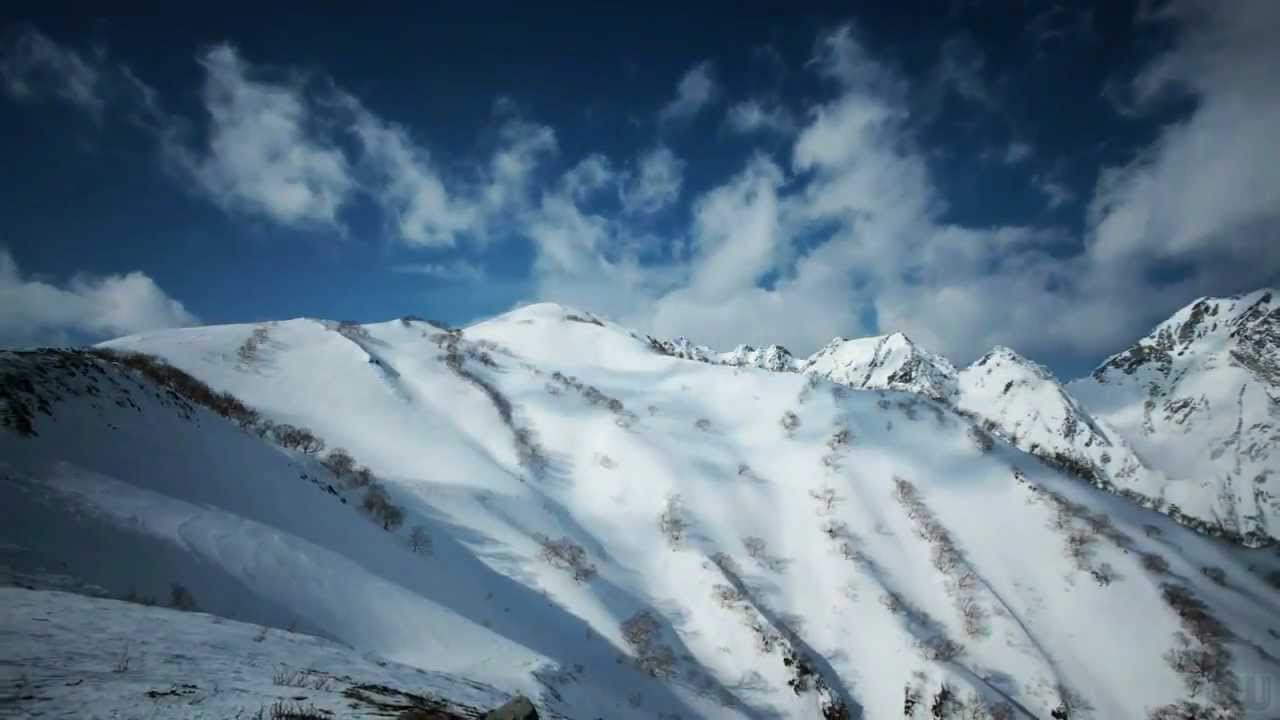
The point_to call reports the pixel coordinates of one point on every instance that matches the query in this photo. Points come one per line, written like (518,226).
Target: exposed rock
(520,708)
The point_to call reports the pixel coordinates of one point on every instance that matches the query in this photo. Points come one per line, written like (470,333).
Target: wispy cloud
(860,191)
(961,69)
(1207,192)
(276,144)
(1017,152)
(263,155)
(1056,193)
(750,116)
(589,176)
(33,67)
(697,88)
(87,307)
(459,271)
(843,231)
(655,184)
(422,208)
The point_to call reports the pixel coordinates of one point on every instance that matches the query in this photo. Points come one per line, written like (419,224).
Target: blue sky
(1052,177)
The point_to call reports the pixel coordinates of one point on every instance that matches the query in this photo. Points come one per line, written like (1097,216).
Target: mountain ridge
(615,532)
(1085,443)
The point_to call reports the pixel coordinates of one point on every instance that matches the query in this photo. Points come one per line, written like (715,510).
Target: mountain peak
(884,362)
(1195,398)
(1246,325)
(1000,356)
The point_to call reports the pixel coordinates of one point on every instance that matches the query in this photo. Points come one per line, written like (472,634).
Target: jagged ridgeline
(551,505)
(1185,422)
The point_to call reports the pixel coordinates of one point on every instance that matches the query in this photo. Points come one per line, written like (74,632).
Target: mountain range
(415,517)
(1185,421)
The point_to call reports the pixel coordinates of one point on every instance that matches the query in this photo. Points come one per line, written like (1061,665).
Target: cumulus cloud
(696,89)
(33,67)
(35,312)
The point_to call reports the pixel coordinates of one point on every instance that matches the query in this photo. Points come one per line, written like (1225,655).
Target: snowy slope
(1187,421)
(619,533)
(1199,400)
(1023,402)
(1007,395)
(87,657)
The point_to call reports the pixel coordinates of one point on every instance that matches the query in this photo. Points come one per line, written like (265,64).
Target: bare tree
(1216,574)
(1155,563)
(362,477)
(340,463)
(379,506)
(826,497)
(790,422)
(180,598)
(419,540)
(565,554)
(671,522)
(248,351)
(982,439)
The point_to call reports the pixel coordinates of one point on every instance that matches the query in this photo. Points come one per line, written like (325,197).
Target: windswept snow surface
(85,657)
(753,543)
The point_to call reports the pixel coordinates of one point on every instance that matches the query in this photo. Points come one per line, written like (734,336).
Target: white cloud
(697,88)
(459,271)
(263,154)
(34,312)
(960,69)
(1055,193)
(276,151)
(750,116)
(1207,192)
(655,184)
(846,234)
(412,191)
(852,239)
(589,176)
(523,145)
(33,67)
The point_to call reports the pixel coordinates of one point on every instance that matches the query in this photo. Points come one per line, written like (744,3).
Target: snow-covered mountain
(1187,421)
(770,357)
(549,504)
(1199,400)
(888,362)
